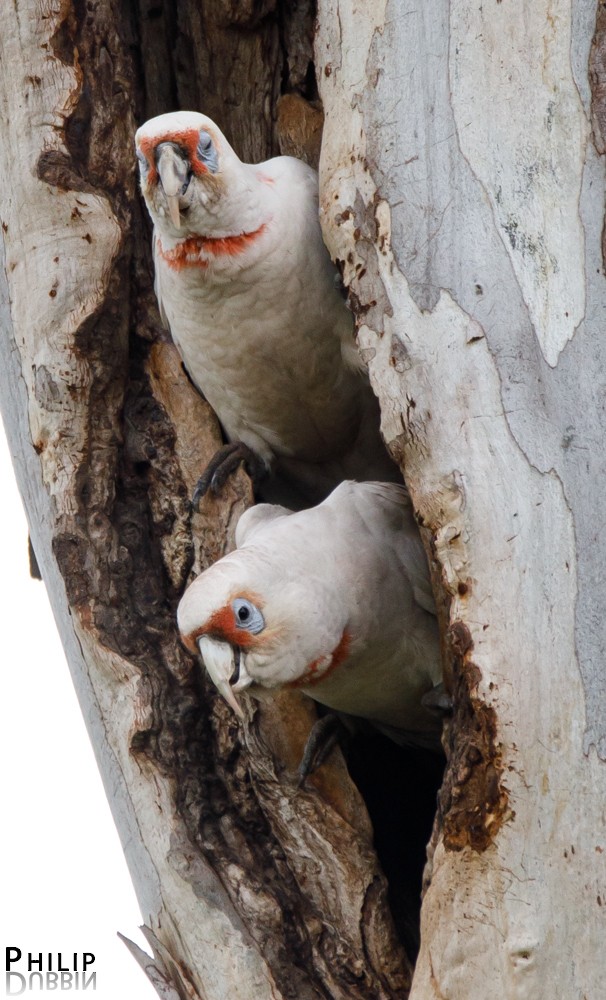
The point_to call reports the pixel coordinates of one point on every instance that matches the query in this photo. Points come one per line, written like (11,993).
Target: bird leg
(221,466)
(323,736)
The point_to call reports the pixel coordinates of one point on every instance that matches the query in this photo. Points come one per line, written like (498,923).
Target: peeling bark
(464,194)
(473,799)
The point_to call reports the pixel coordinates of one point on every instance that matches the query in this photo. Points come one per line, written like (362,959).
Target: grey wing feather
(394,492)
(423,595)
(416,562)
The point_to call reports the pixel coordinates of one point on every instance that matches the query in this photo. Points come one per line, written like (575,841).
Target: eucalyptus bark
(462,174)
(248,886)
(462,183)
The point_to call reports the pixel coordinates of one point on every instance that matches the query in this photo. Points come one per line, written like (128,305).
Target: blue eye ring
(248,616)
(207,152)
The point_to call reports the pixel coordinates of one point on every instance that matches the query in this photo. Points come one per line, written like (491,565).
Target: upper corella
(251,297)
(335,601)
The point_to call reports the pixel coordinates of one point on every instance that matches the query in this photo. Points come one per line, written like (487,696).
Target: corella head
(223,625)
(183,161)
(253,627)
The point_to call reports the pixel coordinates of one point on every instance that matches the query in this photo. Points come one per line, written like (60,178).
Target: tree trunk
(463,180)
(469,219)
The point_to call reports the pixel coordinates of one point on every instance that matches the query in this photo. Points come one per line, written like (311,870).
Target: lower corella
(334,601)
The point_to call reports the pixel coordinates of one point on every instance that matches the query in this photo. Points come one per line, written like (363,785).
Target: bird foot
(324,734)
(438,701)
(224,462)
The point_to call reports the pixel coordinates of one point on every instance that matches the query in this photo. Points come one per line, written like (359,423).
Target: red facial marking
(189,253)
(314,674)
(186,138)
(222,625)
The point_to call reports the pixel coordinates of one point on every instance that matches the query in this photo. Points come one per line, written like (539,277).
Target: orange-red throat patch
(195,251)
(319,670)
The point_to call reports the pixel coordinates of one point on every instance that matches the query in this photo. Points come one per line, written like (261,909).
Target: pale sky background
(64,881)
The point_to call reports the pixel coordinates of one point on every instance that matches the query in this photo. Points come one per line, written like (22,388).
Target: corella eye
(248,616)
(207,152)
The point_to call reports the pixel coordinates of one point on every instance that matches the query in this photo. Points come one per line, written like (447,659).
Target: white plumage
(252,301)
(335,600)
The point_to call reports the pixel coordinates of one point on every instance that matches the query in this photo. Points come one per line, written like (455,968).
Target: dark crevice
(296,20)
(400,788)
(154,31)
(309,89)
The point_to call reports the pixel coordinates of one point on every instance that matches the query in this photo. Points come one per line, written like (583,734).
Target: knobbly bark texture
(249,888)
(462,175)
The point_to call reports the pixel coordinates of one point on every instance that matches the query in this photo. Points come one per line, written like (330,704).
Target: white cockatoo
(252,301)
(335,601)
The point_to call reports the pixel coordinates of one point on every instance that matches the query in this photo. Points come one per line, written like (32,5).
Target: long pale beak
(220,661)
(174,176)
(173,210)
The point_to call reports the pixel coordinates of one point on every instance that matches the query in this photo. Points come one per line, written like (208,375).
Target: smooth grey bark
(463,189)
(248,886)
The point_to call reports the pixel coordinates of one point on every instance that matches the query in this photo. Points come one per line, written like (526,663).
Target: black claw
(438,701)
(221,466)
(324,734)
